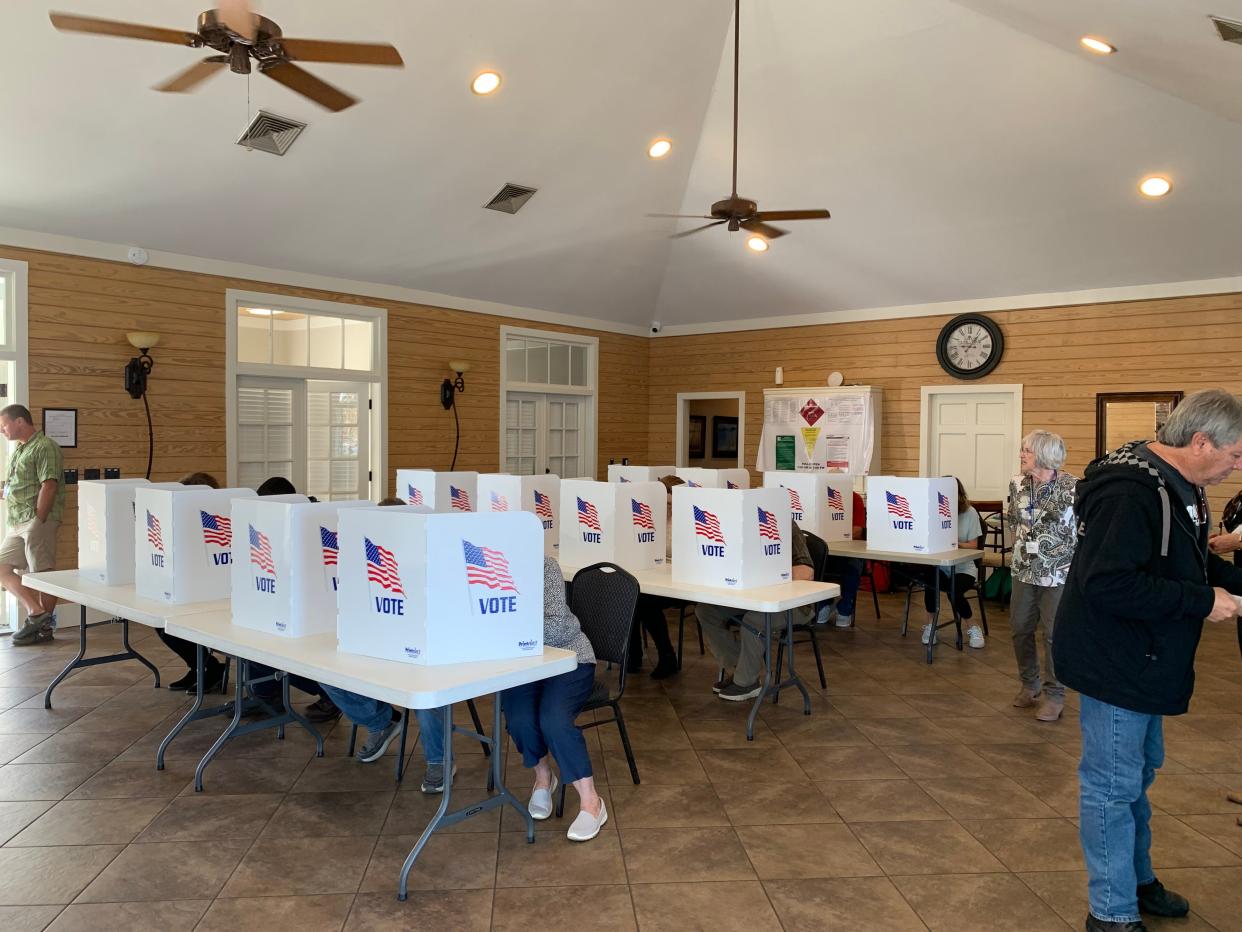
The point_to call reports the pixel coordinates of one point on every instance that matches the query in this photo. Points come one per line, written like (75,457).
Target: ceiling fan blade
(69,22)
(791,215)
(761,228)
(346,53)
(306,84)
(237,16)
(685,216)
(193,76)
(696,230)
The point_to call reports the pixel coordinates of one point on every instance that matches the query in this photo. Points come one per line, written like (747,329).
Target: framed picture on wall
(724,436)
(698,437)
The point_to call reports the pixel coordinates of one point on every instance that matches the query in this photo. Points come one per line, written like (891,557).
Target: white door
(337,441)
(269,441)
(546,433)
(974,436)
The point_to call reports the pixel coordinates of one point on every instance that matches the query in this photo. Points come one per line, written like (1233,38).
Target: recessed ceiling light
(485,82)
(1099,46)
(757,244)
(1155,186)
(660,148)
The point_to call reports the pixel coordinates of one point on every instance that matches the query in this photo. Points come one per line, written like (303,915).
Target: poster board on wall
(834,430)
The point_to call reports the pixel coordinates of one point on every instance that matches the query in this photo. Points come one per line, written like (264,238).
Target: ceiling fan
(739,212)
(239,34)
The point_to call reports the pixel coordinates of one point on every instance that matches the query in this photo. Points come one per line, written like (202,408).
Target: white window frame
(14,275)
(590,391)
(378,373)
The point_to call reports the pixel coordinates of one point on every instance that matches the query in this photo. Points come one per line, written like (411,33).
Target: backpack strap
(1166,517)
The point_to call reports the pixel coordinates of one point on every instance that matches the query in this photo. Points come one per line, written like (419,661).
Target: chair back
(604,597)
(819,554)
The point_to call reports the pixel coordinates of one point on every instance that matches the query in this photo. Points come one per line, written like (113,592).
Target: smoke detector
(268,132)
(511,198)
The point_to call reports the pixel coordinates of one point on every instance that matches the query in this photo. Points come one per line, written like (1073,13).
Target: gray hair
(1213,412)
(1048,448)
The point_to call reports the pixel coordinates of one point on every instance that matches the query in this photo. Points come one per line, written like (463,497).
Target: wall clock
(970,346)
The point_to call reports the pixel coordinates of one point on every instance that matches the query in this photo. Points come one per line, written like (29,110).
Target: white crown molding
(116,252)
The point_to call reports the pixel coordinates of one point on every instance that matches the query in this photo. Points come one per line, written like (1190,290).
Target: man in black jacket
(1142,583)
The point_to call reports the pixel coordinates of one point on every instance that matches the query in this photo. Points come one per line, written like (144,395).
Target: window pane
(289,339)
(280,443)
(571,467)
(558,364)
(279,469)
(556,413)
(325,341)
(513,441)
(279,406)
(344,475)
(251,475)
(251,442)
(344,442)
(251,403)
(577,365)
(316,407)
(537,363)
(317,476)
(359,339)
(515,364)
(528,443)
(555,464)
(571,441)
(344,407)
(554,442)
(317,443)
(254,337)
(571,414)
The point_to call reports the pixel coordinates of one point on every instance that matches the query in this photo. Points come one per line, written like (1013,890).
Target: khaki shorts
(30,547)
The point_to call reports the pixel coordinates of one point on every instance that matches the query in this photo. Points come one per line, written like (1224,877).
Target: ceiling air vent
(510,198)
(268,132)
(1227,29)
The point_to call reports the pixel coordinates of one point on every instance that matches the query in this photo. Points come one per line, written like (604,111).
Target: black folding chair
(603,597)
(819,561)
(681,631)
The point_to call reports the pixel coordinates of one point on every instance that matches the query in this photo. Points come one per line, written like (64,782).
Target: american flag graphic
(731,485)
(382,567)
(154,538)
(487,567)
(331,547)
(767,525)
(706,525)
(691,484)
(543,505)
(415,496)
(261,551)
(587,515)
(835,500)
(942,506)
(623,479)
(897,505)
(642,514)
(795,500)
(459,499)
(217,529)
(499,502)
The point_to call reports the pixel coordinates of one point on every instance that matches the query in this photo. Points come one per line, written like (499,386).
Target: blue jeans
(374,716)
(1121,752)
(850,570)
(540,718)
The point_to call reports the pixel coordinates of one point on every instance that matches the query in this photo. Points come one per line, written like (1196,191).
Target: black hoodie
(1139,587)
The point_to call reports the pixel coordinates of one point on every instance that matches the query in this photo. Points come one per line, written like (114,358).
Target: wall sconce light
(449,387)
(138,368)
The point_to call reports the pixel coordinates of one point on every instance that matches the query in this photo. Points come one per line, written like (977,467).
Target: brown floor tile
(20,782)
(203,817)
(74,697)
(978,903)
(819,731)
(661,807)
(940,760)
(1028,759)
(842,904)
(38,876)
(848,763)
(27,918)
(410,813)
(790,852)
(740,906)
(881,801)
(1215,893)
(588,909)
(459,910)
(873,707)
(750,765)
(654,736)
(899,731)
(1059,791)
(1206,756)
(1030,844)
(924,847)
(656,854)
(125,780)
(449,862)
(986,798)
(946,708)
(165,871)
(774,803)
(90,822)
(15,816)
(1222,829)
(264,913)
(175,916)
(98,748)
(298,866)
(319,815)
(555,860)
(1187,794)
(1175,844)
(37,721)
(249,775)
(14,746)
(726,733)
(1006,729)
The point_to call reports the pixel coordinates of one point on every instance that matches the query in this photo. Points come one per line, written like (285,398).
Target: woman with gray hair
(1041,513)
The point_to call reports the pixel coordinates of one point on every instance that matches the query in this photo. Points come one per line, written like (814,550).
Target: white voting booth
(617,522)
(439,492)
(821,430)
(285,564)
(183,542)
(734,538)
(106,525)
(821,503)
(639,473)
(540,495)
(699,477)
(434,589)
(912,515)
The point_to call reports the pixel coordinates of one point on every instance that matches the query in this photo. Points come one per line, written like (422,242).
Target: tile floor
(914,797)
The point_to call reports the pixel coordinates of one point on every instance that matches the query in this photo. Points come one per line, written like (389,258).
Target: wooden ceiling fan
(239,35)
(738,212)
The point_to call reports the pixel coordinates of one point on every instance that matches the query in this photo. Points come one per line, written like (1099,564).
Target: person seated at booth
(849,571)
(649,612)
(540,716)
(966,576)
(742,652)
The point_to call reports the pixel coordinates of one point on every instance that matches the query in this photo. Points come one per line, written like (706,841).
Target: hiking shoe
(722,683)
(974,635)
(827,613)
(377,743)
(433,779)
(1099,925)
(322,710)
(735,693)
(1153,898)
(1025,699)
(37,628)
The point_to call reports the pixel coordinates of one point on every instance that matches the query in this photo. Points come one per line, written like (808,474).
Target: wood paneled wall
(80,310)
(1062,357)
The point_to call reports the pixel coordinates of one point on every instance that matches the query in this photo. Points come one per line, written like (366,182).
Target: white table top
(779,598)
(122,601)
(859,548)
(408,685)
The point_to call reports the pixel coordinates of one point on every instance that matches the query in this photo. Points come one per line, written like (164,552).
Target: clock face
(970,346)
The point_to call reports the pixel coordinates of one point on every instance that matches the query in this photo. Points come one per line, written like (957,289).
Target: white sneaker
(975,635)
(540,805)
(587,826)
(927,628)
(845,621)
(827,613)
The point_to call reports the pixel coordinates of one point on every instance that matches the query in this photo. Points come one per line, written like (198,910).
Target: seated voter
(540,716)
(650,613)
(743,652)
(969,537)
(849,570)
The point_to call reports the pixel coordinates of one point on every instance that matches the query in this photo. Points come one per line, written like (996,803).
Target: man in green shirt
(35,500)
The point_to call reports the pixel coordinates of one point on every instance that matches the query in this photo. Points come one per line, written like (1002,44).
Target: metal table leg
(81,660)
(768,685)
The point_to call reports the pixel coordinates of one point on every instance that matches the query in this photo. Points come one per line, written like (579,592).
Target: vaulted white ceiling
(967,150)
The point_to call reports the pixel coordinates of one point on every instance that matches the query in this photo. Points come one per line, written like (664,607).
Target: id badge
(1032,546)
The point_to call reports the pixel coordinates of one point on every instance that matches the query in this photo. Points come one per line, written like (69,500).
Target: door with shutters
(271,431)
(546,433)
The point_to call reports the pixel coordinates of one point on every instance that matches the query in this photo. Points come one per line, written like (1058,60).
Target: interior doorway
(972,432)
(711,429)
